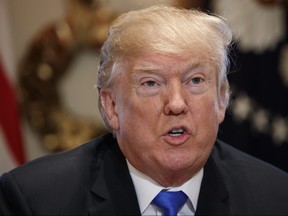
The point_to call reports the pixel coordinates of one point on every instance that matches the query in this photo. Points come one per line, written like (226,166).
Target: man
(163,92)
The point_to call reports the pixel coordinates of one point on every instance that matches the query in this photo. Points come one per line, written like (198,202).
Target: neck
(166,179)
(172,179)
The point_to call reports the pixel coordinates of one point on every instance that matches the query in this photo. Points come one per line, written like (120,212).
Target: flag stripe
(9,118)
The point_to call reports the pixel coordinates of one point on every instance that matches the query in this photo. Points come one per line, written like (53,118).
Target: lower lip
(176,140)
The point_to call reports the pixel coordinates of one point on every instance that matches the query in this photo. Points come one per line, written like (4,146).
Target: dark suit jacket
(94,179)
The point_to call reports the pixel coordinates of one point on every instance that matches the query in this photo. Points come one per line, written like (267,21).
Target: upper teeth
(176,132)
(179,130)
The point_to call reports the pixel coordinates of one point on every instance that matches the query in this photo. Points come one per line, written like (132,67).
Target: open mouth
(176,132)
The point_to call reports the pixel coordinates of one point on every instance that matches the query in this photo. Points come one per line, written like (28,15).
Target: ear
(223,101)
(108,103)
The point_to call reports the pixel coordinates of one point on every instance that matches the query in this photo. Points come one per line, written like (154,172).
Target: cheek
(141,108)
(209,112)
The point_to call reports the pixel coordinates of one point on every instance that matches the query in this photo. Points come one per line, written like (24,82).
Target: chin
(178,164)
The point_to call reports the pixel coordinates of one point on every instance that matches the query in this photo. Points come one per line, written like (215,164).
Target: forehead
(155,62)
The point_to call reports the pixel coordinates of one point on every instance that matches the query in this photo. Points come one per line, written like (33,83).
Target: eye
(149,83)
(197,83)
(197,80)
(149,86)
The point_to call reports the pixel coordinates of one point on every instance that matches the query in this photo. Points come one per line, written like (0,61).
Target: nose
(176,102)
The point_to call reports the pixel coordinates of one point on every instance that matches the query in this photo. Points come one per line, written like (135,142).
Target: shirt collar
(146,188)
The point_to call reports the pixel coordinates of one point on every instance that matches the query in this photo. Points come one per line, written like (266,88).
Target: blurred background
(49,61)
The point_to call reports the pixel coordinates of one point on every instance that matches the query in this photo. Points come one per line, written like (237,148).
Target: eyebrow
(144,68)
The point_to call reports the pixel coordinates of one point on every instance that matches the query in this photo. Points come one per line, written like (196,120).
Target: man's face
(165,112)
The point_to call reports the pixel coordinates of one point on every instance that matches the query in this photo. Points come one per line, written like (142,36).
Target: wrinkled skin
(165,111)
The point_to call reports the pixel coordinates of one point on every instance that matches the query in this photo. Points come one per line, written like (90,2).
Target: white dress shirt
(146,190)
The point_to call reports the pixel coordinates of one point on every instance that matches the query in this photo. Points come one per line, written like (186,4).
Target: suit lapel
(113,186)
(213,197)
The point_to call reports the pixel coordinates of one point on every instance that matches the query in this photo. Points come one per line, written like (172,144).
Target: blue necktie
(170,201)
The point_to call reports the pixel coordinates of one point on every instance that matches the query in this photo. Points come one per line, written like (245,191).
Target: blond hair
(166,30)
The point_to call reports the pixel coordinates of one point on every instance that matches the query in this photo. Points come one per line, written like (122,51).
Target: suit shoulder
(64,164)
(255,187)
(47,184)
(244,165)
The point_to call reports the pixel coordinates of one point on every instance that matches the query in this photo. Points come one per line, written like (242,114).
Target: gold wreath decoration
(47,61)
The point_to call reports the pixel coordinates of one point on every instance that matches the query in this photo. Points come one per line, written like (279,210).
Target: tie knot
(170,201)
